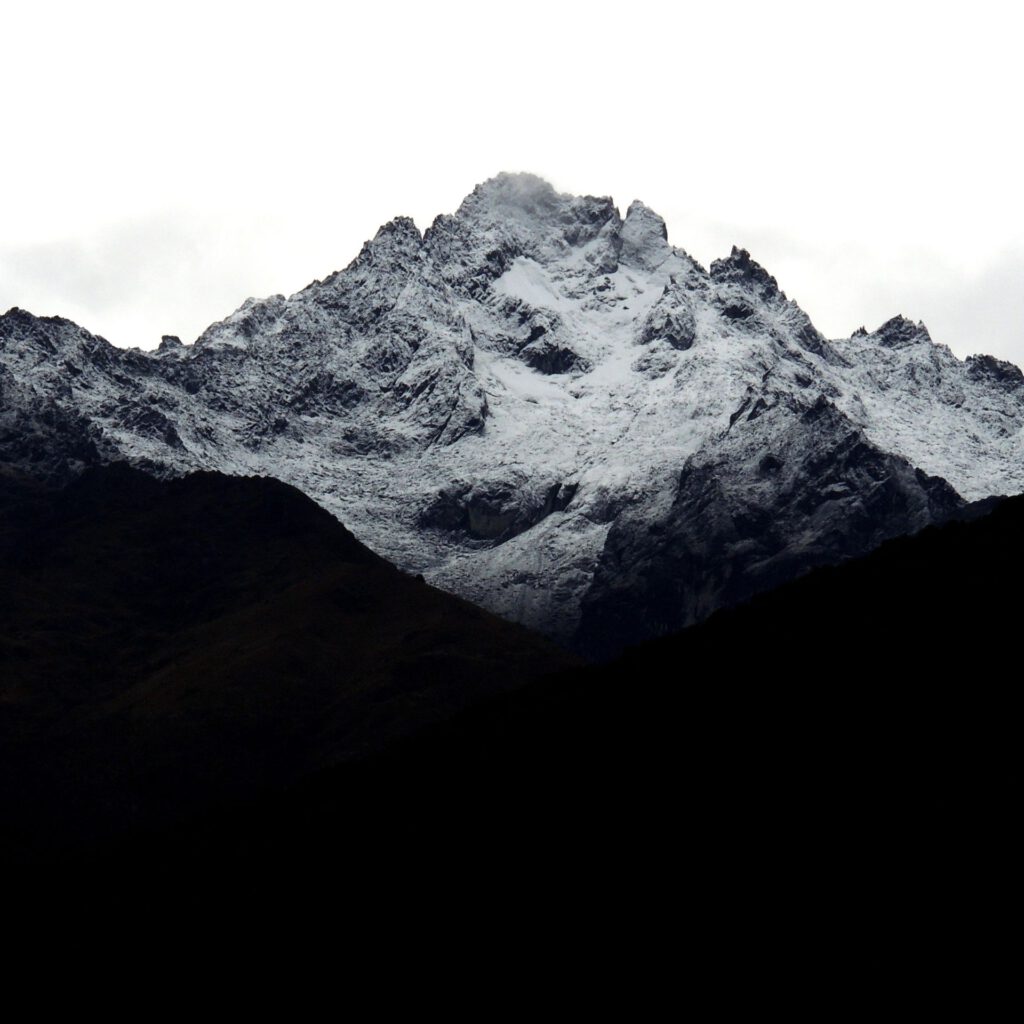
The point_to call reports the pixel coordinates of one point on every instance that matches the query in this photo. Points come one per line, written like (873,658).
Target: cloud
(160,169)
(970,301)
(169,273)
(176,272)
(980,312)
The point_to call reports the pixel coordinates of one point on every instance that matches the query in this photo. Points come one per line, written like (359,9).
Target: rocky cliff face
(547,408)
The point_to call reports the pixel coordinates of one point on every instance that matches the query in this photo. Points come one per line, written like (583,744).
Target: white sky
(160,163)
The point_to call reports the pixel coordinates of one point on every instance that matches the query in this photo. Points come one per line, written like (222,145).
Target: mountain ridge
(528,380)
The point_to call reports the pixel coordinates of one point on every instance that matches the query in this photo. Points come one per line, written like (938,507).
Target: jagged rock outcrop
(798,488)
(434,391)
(671,319)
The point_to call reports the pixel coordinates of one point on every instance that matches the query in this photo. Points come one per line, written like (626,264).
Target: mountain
(545,407)
(169,646)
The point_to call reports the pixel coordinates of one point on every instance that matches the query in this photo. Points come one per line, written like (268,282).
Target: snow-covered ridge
(493,402)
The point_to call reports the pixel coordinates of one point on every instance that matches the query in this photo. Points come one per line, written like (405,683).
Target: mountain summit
(545,407)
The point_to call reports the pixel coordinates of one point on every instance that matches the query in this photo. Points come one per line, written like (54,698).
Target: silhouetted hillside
(836,755)
(166,646)
(209,679)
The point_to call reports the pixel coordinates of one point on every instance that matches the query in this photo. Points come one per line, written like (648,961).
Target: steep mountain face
(545,407)
(763,506)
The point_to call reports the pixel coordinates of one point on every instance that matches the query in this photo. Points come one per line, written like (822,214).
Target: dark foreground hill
(168,646)
(835,756)
(210,682)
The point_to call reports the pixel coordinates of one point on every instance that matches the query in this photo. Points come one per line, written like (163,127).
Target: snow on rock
(547,408)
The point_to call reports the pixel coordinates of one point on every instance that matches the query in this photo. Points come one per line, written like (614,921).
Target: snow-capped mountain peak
(548,408)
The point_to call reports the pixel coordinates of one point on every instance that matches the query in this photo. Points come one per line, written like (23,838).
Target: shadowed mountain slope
(826,774)
(843,747)
(165,645)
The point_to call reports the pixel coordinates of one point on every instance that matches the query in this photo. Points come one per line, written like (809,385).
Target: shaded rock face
(1002,374)
(550,357)
(899,332)
(671,319)
(495,511)
(813,491)
(47,440)
(432,393)
(643,238)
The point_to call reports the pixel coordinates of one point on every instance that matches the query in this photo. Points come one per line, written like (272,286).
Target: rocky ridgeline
(547,408)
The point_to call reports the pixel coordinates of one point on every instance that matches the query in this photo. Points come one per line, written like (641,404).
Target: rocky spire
(644,238)
(900,332)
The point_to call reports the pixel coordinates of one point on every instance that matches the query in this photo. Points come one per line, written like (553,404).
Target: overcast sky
(160,163)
